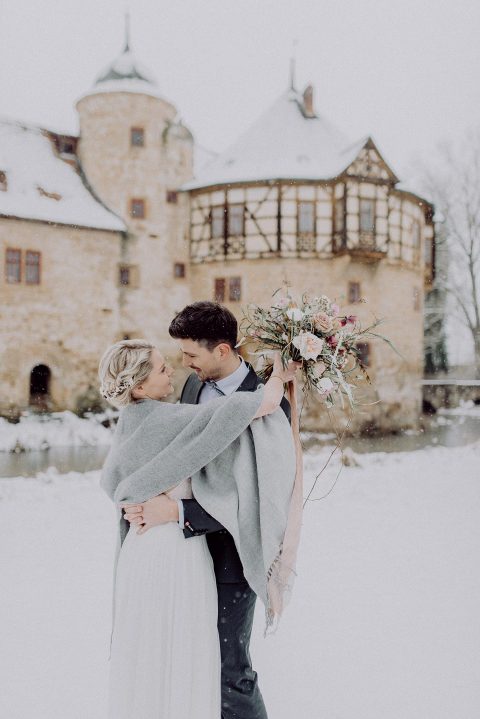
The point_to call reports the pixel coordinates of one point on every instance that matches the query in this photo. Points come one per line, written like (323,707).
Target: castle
(108,234)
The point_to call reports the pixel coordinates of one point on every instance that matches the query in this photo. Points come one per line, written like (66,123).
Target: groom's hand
(158,510)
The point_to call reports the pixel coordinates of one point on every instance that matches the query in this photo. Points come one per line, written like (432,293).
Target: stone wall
(67,321)
(119,172)
(389,290)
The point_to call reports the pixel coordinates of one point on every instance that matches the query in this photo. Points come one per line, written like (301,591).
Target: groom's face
(208,364)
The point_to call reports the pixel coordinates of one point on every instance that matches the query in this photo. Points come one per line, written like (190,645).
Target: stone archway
(40,386)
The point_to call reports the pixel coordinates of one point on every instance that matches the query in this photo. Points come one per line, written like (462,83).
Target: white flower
(281,303)
(318,369)
(295,314)
(308,345)
(325,386)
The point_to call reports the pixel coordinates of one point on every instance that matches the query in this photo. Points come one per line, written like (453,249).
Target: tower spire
(127,31)
(293,65)
(291,83)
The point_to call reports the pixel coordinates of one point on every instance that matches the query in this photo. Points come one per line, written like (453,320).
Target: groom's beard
(204,375)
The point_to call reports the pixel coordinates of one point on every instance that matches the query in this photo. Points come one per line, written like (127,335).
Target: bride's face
(158,383)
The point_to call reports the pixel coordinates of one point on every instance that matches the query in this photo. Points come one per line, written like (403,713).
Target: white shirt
(228,385)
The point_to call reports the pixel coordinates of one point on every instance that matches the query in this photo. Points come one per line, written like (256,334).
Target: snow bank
(465,409)
(59,429)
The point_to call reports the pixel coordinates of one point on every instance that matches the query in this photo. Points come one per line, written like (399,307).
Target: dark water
(452,432)
(65,459)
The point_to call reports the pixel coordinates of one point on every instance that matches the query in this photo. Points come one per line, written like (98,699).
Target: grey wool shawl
(242,470)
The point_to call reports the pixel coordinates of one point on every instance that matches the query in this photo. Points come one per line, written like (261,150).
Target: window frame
(37,265)
(371,230)
(310,232)
(142,203)
(365,358)
(236,205)
(133,275)
(223,218)
(219,296)
(183,270)
(141,131)
(8,263)
(353,286)
(232,282)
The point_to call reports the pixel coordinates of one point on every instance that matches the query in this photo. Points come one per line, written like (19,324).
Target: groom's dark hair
(207,323)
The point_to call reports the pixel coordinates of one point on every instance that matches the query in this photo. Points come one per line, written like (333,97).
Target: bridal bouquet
(314,332)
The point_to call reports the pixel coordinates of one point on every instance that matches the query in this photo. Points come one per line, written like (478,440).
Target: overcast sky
(406,72)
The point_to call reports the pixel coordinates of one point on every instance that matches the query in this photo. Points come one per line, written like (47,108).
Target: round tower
(134,154)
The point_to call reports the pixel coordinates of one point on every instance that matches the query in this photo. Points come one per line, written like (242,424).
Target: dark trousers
(241,697)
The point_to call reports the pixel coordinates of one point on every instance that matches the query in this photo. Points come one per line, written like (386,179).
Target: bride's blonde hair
(124,366)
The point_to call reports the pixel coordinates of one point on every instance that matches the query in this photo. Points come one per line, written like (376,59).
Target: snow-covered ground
(384,622)
(59,429)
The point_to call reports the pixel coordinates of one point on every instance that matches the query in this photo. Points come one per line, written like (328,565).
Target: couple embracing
(203,491)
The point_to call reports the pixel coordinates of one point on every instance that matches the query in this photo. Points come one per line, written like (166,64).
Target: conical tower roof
(125,74)
(125,66)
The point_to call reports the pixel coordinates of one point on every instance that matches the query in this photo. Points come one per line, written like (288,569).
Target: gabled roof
(42,186)
(285,143)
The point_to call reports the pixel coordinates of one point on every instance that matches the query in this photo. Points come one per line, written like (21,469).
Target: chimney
(308,102)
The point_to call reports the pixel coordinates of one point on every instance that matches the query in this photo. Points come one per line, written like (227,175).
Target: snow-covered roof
(284,143)
(42,186)
(125,74)
(125,67)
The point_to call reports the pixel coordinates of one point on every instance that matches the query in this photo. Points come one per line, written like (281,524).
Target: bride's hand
(286,374)
(158,510)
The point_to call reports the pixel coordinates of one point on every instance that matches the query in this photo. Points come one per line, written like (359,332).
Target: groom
(207,334)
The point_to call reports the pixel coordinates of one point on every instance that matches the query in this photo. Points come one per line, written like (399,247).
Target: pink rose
(322,322)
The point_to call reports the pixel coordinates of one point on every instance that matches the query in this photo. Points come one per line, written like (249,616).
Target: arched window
(40,385)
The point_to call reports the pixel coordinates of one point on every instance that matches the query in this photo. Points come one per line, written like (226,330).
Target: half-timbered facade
(292,201)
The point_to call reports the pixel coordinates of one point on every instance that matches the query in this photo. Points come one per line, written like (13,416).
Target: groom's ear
(224,350)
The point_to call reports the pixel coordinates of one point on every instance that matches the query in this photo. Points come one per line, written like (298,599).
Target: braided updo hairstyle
(124,366)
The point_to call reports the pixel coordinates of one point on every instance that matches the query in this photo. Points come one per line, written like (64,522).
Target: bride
(165,658)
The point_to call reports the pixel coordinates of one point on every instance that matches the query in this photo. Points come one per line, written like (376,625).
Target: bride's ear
(138,392)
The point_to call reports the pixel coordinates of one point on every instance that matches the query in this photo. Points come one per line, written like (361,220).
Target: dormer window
(3,181)
(66,146)
(137,137)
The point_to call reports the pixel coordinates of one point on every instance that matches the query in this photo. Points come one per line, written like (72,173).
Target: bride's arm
(274,388)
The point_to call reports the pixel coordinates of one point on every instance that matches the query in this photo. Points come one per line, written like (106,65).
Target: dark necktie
(215,387)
